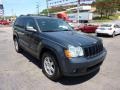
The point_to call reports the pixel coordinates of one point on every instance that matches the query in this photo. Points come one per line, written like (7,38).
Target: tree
(53,10)
(106,7)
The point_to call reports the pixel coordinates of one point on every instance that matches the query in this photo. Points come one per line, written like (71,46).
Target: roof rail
(36,15)
(22,15)
(30,15)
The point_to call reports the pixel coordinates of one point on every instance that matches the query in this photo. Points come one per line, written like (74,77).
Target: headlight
(74,51)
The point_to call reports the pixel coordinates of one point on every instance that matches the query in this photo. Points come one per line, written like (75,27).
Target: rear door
(118,28)
(19,28)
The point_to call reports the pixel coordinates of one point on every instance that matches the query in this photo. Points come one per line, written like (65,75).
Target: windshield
(106,25)
(52,25)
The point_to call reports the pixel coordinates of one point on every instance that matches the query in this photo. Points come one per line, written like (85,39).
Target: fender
(56,49)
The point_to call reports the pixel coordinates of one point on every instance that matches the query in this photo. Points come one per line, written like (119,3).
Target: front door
(33,38)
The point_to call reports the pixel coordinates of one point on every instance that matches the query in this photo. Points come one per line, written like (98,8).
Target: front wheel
(97,34)
(113,35)
(50,67)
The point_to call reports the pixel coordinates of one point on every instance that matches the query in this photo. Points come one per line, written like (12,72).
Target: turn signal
(67,54)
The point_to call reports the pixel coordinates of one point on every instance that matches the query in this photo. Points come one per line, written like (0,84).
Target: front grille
(93,49)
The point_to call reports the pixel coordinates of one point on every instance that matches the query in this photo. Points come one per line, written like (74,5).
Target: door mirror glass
(29,28)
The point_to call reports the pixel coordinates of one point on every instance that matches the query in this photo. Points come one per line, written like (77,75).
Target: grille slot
(93,50)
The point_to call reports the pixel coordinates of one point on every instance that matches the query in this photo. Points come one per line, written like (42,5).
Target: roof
(109,23)
(38,17)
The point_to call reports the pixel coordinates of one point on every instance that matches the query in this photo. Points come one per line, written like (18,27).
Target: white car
(108,29)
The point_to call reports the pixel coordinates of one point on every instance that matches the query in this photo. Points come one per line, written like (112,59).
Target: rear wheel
(17,47)
(50,67)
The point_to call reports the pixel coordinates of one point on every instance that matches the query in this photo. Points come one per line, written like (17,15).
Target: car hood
(71,38)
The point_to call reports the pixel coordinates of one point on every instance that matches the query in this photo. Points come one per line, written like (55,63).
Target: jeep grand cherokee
(60,49)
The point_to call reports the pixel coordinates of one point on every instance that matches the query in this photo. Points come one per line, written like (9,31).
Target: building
(55,3)
(1,9)
(85,10)
(85,13)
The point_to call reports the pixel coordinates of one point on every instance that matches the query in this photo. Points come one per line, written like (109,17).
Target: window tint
(53,25)
(20,23)
(117,26)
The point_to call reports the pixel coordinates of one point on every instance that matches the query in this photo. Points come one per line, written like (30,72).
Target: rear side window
(117,26)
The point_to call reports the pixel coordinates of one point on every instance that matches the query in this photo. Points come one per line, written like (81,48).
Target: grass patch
(105,19)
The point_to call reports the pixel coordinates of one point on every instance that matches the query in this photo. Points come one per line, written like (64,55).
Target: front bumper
(82,66)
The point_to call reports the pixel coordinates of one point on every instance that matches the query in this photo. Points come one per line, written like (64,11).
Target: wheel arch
(51,51)
(47,49)
(14,36)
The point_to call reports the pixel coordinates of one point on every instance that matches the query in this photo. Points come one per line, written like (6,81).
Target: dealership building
(54,3)
(81,12)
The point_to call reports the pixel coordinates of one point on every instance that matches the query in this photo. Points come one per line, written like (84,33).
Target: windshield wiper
(66,30)
(57,30)
(50,31)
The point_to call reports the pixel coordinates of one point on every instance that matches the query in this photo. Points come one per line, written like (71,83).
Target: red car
(4,22)
(88,28)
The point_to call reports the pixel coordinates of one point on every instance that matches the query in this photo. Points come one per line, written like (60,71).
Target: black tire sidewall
(57,73)
(113,35)
(19,48)
(97,34)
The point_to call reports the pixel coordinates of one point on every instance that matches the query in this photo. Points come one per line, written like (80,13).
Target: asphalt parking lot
(23,72)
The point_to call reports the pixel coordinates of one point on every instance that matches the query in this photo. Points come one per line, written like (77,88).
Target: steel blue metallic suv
(62,50)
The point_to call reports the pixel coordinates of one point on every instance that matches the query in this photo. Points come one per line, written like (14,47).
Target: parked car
(108,29)
(74,25)
(71,24)
(88,28)
(60,49)
(4,22)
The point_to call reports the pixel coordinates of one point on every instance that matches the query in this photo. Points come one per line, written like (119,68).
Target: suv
(60,49)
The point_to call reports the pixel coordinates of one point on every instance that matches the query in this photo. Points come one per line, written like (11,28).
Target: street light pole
(37,6)
(47,8)
(12,12)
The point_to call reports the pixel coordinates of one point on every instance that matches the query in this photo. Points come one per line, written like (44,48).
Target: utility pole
(78,11)
(37,6)
(47,8)
(12,12)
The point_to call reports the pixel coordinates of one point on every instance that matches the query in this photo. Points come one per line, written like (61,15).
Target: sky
(18,7)
(23,7)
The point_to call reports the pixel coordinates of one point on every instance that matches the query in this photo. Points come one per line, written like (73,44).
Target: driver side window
(31,23)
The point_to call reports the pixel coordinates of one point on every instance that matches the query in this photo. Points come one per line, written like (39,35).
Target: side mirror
(29,28)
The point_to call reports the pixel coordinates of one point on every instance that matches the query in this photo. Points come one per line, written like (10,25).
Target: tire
(17,46)
(113,35)
(50,66)
(97,35)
